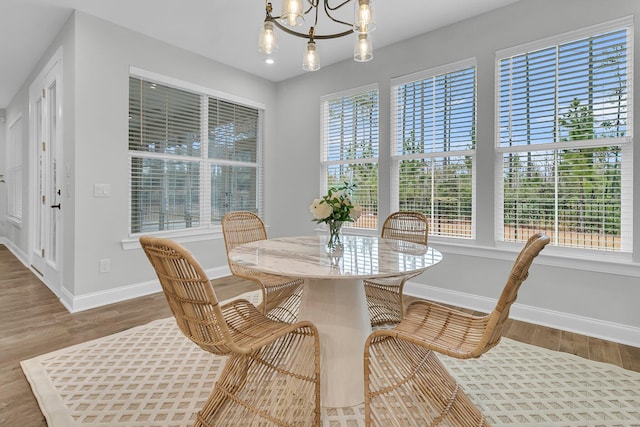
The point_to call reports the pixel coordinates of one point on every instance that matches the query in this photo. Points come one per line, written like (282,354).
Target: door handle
(56,206)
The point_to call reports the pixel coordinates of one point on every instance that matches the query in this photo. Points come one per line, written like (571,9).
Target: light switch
(101,190)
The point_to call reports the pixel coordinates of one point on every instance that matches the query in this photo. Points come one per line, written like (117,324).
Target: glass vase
(334,242)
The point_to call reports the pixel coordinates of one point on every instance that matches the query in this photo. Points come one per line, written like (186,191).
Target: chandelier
(296,12)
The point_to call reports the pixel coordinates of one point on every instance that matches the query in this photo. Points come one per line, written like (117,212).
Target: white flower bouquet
(334,209)
(336,205)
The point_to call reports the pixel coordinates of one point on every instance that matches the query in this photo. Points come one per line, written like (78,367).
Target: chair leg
(232,378)
(406,384)
(277,385)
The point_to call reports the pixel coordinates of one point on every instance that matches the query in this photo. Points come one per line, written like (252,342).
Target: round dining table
(334,298)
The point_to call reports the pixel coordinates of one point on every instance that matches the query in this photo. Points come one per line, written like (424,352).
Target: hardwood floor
(34,322)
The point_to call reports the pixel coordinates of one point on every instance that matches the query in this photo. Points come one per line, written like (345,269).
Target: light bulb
(267,41)
(364,49)
(292,13)
(311,60)
(363,20)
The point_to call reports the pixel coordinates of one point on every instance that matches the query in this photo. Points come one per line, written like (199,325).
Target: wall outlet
(105,265)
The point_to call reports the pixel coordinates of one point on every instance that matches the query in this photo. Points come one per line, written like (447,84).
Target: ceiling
(226,31)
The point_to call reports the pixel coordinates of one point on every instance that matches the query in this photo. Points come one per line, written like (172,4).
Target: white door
(46,191)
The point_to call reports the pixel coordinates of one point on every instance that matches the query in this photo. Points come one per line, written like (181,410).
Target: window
(564,140)
(433,147)
(14,171)
(194,157)
(350,147)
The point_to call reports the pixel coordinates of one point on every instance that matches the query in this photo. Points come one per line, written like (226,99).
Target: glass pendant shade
(311,61)
(292,13)
(267,41)
(363,51)
(364,21)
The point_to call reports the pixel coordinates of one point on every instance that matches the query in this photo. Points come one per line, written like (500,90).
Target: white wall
(16,234)
(105,53)
(3,171)
(587,297)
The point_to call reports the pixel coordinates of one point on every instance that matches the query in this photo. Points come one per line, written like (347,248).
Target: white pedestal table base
(338,308)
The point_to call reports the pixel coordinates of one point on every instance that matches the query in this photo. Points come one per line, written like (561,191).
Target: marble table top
(363,257)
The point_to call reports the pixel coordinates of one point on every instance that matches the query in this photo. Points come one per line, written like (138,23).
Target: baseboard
(609,331)
(76,303)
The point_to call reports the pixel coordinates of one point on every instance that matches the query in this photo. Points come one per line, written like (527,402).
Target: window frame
(324,148)
(206,228)
(625,143)
(394,143)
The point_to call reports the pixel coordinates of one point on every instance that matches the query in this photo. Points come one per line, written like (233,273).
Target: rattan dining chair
(272,373)
(384,295)
(281,295)
(405,384)
(462,335)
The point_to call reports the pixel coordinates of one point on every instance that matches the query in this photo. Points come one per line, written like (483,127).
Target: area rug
(152,376)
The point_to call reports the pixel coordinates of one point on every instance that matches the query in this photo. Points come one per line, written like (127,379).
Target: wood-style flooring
(34,322)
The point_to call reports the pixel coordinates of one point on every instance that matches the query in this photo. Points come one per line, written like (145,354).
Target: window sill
(584,260)
(180,236)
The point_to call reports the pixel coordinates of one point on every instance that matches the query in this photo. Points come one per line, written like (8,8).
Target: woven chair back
(519,273)
(242,227)
(189,293)
(407,226)
(238,228)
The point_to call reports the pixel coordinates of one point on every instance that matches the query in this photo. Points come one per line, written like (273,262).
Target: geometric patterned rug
(152,376)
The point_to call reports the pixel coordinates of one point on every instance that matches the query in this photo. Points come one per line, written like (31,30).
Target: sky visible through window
(539,88)
(437,114)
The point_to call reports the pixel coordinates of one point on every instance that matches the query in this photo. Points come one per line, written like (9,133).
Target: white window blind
(13,178)
(193,157)
(565,140)
(433,147)
(350,147)
(233,154)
